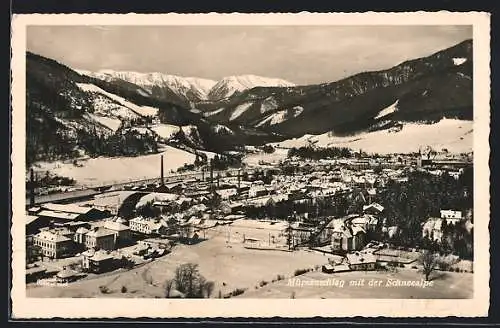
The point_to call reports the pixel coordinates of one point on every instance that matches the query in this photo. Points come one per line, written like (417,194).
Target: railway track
(90,191)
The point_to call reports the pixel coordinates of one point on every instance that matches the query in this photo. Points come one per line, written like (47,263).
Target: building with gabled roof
(361,261)
(148,226)
(346,236)
(373,208)
(97,261)
(54,243)
(122,232)
(62,213)
(100,238)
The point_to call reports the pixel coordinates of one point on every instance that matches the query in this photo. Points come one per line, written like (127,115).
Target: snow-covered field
(165,130)
(222,259)
(454,135)
(111,123)
(106,170)
(210,155)
(274,158)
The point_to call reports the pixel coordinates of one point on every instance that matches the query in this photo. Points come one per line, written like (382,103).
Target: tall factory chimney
(32,188)
(161,172)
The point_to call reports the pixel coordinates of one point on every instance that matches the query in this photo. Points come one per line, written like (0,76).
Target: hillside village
(342,210)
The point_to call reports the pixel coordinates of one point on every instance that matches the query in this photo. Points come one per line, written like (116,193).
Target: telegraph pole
(162,181)
(211,174)
(32,188)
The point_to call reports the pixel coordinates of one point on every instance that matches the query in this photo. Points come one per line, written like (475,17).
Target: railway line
(89,191)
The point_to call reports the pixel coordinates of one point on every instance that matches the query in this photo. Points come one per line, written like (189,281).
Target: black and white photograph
(315,159)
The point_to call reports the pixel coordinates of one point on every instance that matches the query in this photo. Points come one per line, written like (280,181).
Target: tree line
(309,152)
(409,204)
(124,142)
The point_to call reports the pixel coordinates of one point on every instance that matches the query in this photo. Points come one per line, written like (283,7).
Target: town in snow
(266,228)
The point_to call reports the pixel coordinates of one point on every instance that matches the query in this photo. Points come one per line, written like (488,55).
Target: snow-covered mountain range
(191,89)
(73,113)
(230,85)
(128,113)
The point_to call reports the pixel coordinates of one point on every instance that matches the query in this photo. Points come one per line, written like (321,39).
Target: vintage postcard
(244,165)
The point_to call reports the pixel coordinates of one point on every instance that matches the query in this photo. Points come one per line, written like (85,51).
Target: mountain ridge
(188,89)
(441,82)
(69,112)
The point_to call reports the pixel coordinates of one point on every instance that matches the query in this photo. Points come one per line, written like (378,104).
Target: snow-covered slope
(182,86)
(454,135)
(222,129)
(192,135)
(281,116)
(231,84)
(111,123)
(459,61)
(240,109)
(140,110)
(202,85)
(214,112)
(268,104)
(388,110)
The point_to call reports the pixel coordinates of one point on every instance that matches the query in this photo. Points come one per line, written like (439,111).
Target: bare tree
(190,282)
(429,261)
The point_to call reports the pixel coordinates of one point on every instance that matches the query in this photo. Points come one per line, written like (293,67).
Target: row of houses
(61,242)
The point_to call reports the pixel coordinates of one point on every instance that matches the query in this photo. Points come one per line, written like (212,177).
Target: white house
(226,194)
(147,226)
(451,214)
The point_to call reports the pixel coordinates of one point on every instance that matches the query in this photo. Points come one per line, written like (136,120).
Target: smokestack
(161,172)
(32,188)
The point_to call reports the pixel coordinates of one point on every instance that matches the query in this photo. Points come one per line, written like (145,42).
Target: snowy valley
(124,113)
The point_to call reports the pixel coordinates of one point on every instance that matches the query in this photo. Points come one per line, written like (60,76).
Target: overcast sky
(300,54)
